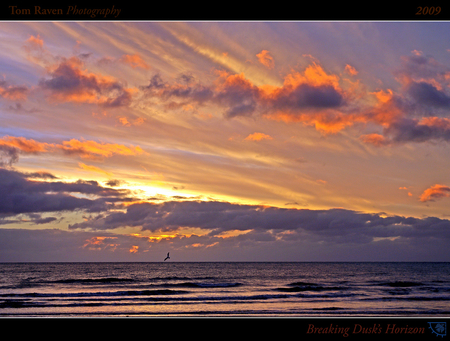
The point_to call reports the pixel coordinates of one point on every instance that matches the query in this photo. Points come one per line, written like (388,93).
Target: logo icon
(438,328)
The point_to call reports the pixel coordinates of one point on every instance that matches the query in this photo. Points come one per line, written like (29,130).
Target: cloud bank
(194,230)
(21,194)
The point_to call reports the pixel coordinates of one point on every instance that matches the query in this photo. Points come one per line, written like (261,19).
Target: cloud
(302,93)
(114,182)
(69,82)
(374,139)
(11,147)
(28,146)
(135,61)
(196,230)
(419,111)
(35,42)
(13,92)
(22,195)
(333,225)
(8,155)
(418,67)
(86,149)
(186,90)
(136,122)
(266,59)
(415,130)
(94,150)
(428,94)
(351,70)
(94,169)
(258,137)
(435,192)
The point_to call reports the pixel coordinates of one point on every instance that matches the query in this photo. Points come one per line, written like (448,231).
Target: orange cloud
(406,188)
(435,192)
(351,70)
(98,243)
(327,122)
(436,122)
(93,169)
(134,61)
(70,83)
(124,121)
(134,249)
(313,97)
(313,75)
(25,145)
(266,59)
(258,137)
(12,92)
(35,42)
(84,149)
(374,139)
(236,81)
(93,150)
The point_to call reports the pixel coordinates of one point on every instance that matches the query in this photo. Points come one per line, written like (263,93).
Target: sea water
(224,289)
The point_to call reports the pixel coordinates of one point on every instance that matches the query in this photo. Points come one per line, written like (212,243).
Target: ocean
(259,289)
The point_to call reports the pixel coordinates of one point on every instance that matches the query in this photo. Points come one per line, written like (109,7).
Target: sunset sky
(224,141)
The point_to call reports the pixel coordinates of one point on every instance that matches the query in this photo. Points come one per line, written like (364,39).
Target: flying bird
(167,257)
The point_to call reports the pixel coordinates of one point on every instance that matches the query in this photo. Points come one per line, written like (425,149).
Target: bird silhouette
(167,257)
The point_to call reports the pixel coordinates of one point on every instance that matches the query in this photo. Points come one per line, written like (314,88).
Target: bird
(167,257)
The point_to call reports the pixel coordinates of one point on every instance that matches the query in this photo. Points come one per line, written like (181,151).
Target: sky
(224,141)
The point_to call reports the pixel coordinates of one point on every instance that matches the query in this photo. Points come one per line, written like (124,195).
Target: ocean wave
(302,283)
(106,280)
(408,298)
(96,294)
(179,278)
(399,284)
(301,286)
(207,285)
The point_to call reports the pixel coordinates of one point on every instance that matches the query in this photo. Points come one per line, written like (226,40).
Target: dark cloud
(186,90)
(414,130)
(40,175)
(113,182)
(419,66)
(39,221)
(232,232)
(156,82)
(427,94)
(337,225)
(21,195)
(307,96)
(420,110)
(239,97)
(8,155)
